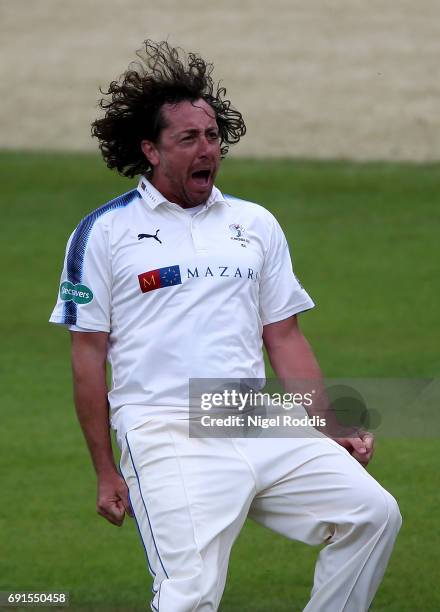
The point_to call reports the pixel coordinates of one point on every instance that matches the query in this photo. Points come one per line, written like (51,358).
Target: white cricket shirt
(182,296)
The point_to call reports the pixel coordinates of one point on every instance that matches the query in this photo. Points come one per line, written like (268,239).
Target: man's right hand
(112,502)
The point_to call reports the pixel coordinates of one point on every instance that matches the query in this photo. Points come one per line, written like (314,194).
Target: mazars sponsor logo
(174,275)
(223,272)
(80,294)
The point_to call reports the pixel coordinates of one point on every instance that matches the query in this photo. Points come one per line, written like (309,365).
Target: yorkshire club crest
(237,229)
(239,234)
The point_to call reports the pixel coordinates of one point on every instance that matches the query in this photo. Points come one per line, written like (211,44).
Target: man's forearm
(296,367)
(293,359)
(91,403)
(89,355)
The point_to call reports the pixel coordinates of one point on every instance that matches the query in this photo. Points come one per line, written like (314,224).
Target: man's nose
(205,146)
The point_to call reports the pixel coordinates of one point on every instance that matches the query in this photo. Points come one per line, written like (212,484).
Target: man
(174,281)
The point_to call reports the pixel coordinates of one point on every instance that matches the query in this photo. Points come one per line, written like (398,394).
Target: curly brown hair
(163,75)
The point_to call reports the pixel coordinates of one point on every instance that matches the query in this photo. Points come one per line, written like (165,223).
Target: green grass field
(365,243)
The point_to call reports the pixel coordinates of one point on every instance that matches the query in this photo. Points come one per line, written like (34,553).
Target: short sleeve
(85,284)
(281,294)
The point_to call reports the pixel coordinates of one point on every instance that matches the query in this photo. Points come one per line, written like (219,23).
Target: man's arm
(89,354)
(292,359)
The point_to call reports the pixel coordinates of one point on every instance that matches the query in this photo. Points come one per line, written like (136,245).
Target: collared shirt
(182,296)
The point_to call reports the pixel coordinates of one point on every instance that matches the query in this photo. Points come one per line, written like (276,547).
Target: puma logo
(140,236)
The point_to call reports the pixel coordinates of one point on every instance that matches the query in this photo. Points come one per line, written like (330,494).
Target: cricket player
(174,281)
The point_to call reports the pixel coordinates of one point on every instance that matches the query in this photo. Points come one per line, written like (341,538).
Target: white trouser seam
(248,463)
(170,433)
(150,569)
(145,507)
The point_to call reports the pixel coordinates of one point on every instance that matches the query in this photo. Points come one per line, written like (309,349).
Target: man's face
(186,157)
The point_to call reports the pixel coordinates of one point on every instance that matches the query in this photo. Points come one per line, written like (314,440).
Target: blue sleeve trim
(77,249)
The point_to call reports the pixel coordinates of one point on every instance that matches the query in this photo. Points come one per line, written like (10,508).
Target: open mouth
(201,177)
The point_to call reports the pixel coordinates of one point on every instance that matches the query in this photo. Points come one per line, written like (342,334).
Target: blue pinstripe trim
(150,569)
(77,249)
(69,313)
(145,507)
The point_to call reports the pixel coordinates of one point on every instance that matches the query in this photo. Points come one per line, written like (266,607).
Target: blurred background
(324,78)
(341,102)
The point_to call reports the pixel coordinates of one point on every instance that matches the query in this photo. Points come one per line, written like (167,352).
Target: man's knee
(179,594)
(188,590)
(395,518)
(380,512)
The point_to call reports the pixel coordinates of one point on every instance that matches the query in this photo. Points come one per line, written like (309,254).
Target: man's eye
(213,136)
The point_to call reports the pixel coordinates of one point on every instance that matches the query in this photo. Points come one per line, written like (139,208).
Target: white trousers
(191,497)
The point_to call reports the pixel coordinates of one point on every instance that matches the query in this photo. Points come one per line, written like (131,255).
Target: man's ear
(150,151)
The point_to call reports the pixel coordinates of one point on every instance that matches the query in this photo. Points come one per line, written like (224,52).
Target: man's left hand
(360,446)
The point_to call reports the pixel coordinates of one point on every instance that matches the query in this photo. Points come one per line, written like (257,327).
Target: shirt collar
(154,198)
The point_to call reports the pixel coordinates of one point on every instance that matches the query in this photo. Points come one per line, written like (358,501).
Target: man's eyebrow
(191,131)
